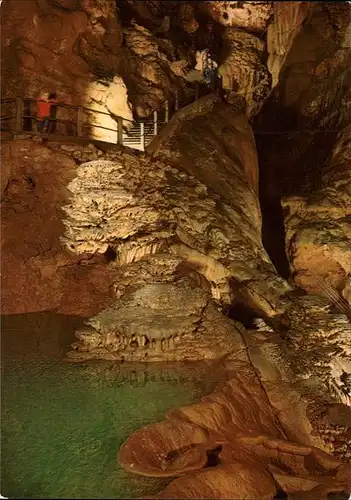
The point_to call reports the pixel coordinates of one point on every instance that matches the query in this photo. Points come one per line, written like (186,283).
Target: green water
(62,424)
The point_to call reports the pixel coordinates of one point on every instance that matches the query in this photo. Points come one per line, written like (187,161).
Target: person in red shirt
(43,113)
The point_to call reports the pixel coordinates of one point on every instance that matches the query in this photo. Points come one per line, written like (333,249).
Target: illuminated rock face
(71,48)
(37,273)
(187,218)
(253,16)
(81,50)
(190,213)
(58,46)
(184,226)
(243,70)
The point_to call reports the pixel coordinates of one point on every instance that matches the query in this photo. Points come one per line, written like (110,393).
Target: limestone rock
(147,71)
(179,446)
(242,70)
(73,48)
(253,16)
(188,18)
(37,273)
(322,343)
(158,322)
(318,232)
(111,99)
(136,211)
(303,116)
(63,45)
(282,31)
(176,209)
(316,35)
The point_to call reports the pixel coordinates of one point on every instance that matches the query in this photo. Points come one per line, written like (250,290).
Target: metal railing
(19,115)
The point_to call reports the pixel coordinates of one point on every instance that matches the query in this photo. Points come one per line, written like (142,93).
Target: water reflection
(62,424)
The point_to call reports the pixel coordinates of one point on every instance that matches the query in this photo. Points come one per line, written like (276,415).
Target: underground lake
(62,424)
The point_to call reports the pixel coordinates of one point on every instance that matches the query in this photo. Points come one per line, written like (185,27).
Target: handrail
(132,133)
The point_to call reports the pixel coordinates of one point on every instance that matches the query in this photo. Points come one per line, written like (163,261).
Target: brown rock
(242,70)
(318,234)
(282,31)
(37,274)
(64,46)
(253,16)
(237,429)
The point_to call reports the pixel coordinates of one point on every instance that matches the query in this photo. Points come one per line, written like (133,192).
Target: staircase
(17,118)
(144,130)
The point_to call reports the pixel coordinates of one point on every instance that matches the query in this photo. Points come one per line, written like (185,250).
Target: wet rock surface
(269,454)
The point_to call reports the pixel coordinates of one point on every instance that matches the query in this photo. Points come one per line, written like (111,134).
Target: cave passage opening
(291,159)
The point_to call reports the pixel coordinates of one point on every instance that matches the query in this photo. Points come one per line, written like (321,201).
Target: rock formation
(86,42)
(158,247)
(175,270)
(243,69)
(253,16)
(37,275)
(206,447)
(318,235)
(173,217)
(288,18)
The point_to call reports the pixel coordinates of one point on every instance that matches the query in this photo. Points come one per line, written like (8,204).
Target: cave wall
(185,217)
(318,230)
(61,45)
(72,47)
(128,57)
(37,274)
(302,118)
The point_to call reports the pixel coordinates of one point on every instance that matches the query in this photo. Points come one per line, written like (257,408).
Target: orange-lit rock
(37,274)
(236,430)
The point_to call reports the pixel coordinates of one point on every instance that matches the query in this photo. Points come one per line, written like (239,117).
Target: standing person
(53,111)
(43,113)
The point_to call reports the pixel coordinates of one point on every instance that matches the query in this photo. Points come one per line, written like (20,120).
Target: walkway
(79,122)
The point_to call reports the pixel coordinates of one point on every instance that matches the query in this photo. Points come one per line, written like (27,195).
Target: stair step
(133,136)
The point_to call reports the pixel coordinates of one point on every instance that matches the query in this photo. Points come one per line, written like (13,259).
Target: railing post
(142,136)
(166,112)
(155,122)
(79,122)
(176,100)
(196,91)
(19,115)
(120,130)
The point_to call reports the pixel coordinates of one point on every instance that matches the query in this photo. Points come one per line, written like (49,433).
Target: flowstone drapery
(181,237)
(184,227)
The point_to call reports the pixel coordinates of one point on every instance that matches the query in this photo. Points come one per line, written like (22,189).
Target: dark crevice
(280,494)
(242,313)
(273,233)
(110,254)
(290,164)
(213,457)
